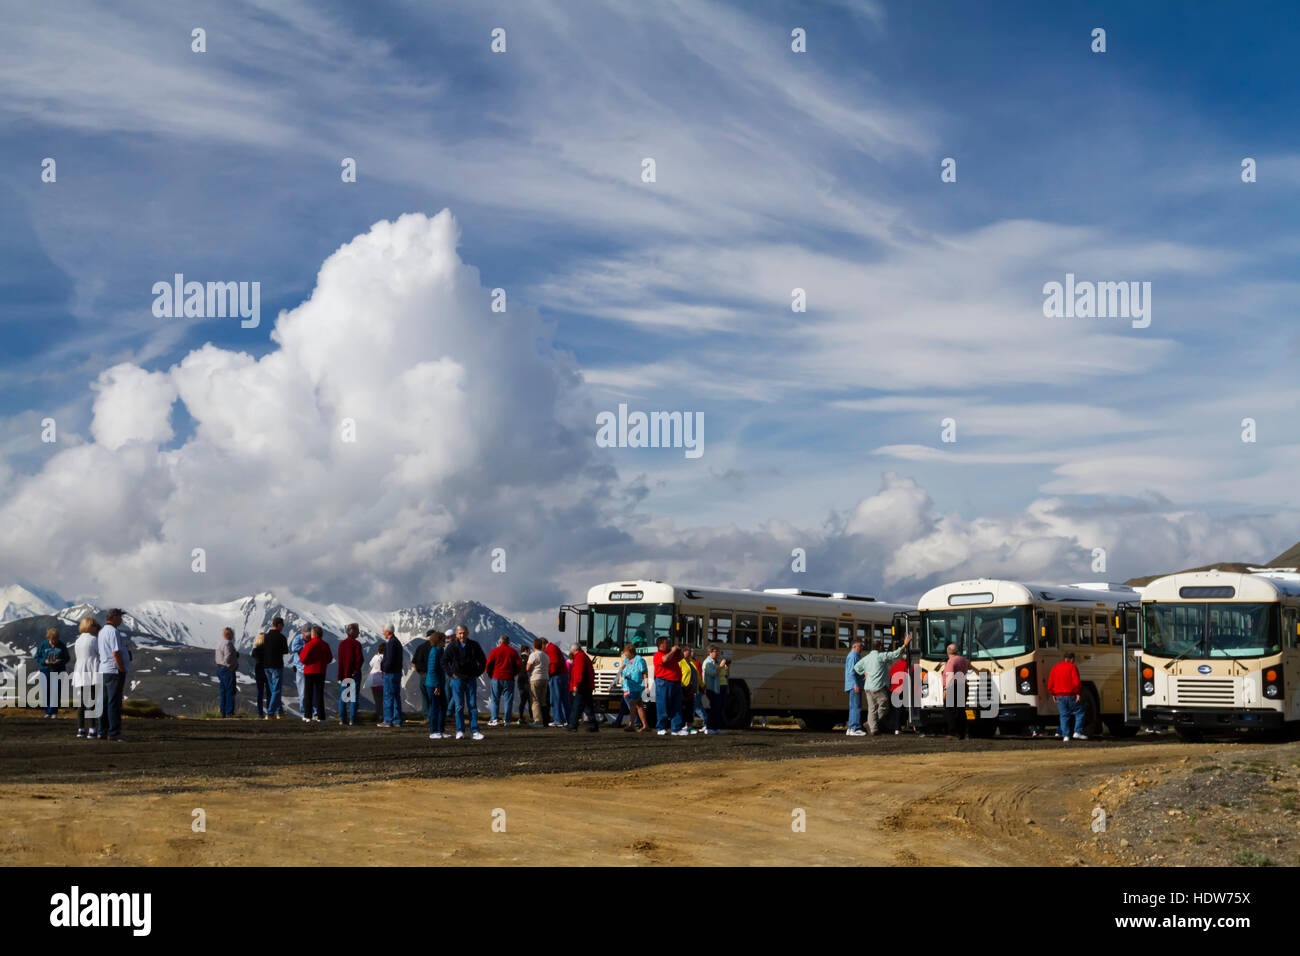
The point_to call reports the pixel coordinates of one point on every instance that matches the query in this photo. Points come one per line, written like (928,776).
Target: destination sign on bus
(626,595)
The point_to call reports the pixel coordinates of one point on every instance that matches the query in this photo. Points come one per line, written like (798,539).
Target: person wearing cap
(113,660)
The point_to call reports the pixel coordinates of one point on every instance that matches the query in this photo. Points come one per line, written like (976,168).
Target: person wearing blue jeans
(274,648)
(463,692)
(274,705)
(668,705)
(501,689)
(560,699)
(853,684)
(393,700)
(1071,707)
(392,665)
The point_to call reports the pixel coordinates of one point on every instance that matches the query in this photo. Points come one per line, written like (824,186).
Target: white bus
(1013,634)
(786,647)
(1220,651)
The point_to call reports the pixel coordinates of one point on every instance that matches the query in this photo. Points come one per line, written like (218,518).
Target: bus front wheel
(735,716)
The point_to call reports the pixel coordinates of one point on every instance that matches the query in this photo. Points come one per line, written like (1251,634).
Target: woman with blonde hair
(84,671)
(259,675)
(52,656)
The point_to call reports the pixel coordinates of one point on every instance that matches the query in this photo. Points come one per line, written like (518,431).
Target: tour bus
(786,646)
(1013,634)
(1220,651)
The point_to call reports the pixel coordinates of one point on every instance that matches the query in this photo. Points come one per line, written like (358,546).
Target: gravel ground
(1239,806)
(34,750)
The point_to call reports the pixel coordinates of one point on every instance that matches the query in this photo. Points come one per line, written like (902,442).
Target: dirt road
(289,794)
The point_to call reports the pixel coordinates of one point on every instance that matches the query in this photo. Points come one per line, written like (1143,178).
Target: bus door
(904,624)
(1049,654)
(1131,675)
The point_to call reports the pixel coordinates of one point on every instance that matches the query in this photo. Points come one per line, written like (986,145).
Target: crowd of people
(551,689)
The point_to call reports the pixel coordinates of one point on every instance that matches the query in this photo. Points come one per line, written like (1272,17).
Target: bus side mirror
(1040,621)
(560,623)
(1121,619)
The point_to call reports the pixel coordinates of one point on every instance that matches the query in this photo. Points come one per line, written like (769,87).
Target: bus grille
(1204,691)
(604,683)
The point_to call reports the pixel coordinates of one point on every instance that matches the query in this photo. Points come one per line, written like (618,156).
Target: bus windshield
(1204,630)
(979,632)
(641,625)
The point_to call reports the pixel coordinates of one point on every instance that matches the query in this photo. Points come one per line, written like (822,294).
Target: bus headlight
(1273,683)
(1148,681)
(1026,677)
(925,685)
(1148,687)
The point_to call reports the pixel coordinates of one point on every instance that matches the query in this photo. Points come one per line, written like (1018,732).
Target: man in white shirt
(113,665)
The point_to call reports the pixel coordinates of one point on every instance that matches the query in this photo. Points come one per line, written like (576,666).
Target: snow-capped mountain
(173,641)
(19,600)
(200,625)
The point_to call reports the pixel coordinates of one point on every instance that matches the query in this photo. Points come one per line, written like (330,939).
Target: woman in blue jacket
(633,677)
(435,683)
(52,656)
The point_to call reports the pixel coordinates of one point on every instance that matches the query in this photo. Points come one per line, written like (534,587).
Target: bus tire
(820,721)
(736,716)
(1116,727)
(1091,712)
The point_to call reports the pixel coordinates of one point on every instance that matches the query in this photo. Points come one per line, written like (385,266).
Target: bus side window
(1049,636)
(720,626)
(771,629)
(1102,628)
(692,630)
(827,634)
(807,632)
(1134,637)
(1069,633)
(845,635)
(862,632)
(789,631)
(746,627)
(1289,618)
(1085,628)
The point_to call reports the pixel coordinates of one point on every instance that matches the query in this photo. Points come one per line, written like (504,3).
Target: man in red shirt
(316,658)
(668,689)
(502,668)
(350,661)
(1064,684)
(559,686)
(582,683)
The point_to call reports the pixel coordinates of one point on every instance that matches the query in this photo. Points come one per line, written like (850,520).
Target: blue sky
(775,170)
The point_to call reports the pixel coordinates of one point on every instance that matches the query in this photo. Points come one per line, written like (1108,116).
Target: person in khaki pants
(539,679)
(874,669)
